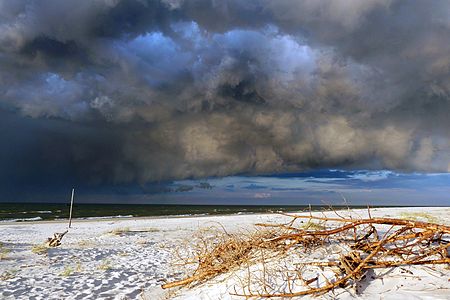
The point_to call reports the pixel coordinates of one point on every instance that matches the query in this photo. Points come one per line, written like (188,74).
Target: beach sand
(93,263)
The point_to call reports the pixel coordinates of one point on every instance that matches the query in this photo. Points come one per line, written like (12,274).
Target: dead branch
(402,243)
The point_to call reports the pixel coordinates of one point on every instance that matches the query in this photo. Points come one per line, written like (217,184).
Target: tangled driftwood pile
(364,244)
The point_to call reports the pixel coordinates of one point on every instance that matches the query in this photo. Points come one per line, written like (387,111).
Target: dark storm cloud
(138,91)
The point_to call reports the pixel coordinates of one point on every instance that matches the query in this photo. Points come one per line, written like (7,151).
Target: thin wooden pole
(71,206)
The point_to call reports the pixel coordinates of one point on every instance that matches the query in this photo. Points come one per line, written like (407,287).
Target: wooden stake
(71,206)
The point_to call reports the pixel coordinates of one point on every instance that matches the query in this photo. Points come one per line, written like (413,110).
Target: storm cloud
(110,91)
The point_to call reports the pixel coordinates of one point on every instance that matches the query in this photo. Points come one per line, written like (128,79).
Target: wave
(22,219)
(106,217)
(28,212)
(189,215)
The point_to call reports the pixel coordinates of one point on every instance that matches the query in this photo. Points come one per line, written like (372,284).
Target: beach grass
(8,274)
(310,225)
(86,243)
(4,251)
(40,249)
(68,270)
(79,267)
(119,231)
(104,265)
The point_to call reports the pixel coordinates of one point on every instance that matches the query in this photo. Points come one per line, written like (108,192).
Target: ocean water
(18,212)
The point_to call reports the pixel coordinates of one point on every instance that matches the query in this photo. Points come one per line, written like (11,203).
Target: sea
(20,212)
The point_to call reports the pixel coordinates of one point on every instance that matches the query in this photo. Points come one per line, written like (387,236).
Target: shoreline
(115,218)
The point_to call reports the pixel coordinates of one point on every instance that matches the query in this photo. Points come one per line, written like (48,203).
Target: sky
(143,101)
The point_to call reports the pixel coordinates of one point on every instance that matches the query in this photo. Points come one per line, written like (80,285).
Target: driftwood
(370,243)
(55,241)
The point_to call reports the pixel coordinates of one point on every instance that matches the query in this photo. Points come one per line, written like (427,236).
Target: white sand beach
(93,263)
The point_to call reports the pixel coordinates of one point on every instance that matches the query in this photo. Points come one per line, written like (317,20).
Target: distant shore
(131,257)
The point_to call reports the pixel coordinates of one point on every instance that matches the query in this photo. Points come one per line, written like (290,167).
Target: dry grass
(141,242)
(78,267)
(68,270)
(4,251)
(86,243)
(104,265)
(119,231)
(311,225)
(8,274)
(40,249)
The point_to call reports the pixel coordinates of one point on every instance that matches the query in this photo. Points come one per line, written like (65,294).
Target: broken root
(363,244)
